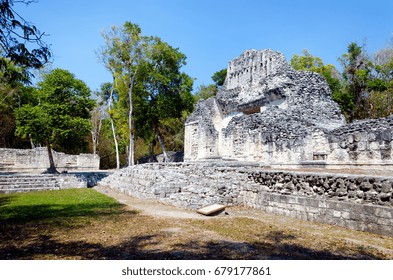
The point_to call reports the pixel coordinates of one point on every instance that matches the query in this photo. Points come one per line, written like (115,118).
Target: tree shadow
(28,213)
(4,200)
(144,247)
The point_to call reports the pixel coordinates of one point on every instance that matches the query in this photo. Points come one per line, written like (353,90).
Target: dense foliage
(60,118)
(152,93)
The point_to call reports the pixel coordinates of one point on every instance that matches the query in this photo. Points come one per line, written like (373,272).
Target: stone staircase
(13,183)
(27,183)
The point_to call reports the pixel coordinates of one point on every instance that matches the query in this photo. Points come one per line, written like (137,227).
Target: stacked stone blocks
(357,202)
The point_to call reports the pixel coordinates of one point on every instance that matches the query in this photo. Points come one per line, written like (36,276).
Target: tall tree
(123,53)
(13,93)
(20,41)
(356,73)
(308,62)
(109,97)
(380,84)
(61,118)
(167,89)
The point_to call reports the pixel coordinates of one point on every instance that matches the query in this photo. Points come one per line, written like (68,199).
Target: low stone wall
(356,202)
(37,159)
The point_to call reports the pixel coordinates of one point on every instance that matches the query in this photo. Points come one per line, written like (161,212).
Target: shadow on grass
(28,213)
(4,200)
(142,248)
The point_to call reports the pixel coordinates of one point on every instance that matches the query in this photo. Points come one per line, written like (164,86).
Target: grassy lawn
(85,224)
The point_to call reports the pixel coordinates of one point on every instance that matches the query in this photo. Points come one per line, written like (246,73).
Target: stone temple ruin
(267,112)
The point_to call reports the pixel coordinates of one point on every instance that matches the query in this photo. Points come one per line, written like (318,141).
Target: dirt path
(150,207)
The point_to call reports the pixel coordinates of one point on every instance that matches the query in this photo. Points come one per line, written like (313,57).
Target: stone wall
(37,159)
(355,201)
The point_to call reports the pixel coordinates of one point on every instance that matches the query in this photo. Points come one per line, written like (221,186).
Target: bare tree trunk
(52,168)
(116,144)
(113,127)
(94,140)
(31,142)
(162,145)
(130,123)
(95,132)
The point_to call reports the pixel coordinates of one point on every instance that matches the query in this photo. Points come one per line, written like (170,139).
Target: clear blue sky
(210,32)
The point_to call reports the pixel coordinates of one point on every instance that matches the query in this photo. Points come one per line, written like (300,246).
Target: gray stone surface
(356,201)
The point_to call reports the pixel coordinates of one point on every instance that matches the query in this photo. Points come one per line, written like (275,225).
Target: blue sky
(210,32)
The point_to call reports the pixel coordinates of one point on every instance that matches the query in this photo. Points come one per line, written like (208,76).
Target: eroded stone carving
(270,113)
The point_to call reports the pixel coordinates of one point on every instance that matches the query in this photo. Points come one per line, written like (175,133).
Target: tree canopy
(20,41)
(60,118)
(150,85)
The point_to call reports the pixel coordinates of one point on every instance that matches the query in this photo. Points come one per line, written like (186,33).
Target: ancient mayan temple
(267,112)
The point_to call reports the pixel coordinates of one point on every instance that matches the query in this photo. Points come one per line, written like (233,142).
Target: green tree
(13,93)
(380,84)
(356,74)
(164,89)
(61,117)
(203,92)
(219,77)
(109,98)
(20,41)
(122,55)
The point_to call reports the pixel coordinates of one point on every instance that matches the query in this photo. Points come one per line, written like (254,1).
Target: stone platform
(357,201)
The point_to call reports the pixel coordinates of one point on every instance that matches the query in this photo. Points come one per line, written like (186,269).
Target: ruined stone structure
(267,112)
(353,201)
(37,159)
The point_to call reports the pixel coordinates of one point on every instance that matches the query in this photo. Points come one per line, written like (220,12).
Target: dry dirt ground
(243,233)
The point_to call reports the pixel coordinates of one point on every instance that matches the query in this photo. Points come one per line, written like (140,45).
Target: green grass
(60,204)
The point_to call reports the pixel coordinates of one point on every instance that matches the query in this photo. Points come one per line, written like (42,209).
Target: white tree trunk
(113,127)
(162,145)
(130,124)
(116,144)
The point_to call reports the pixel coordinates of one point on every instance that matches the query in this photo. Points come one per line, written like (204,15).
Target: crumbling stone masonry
(357,202)
(269,113)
